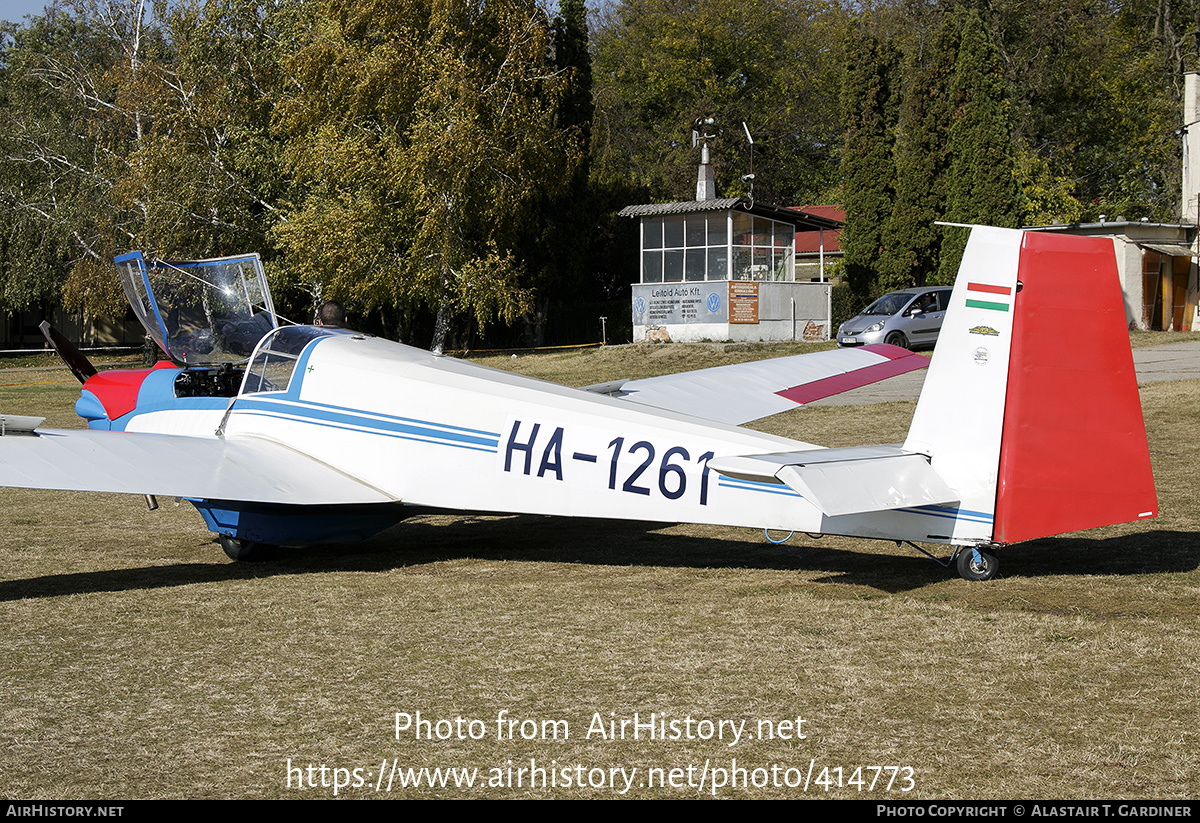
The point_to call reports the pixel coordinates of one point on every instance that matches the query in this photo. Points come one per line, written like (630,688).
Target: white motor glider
(297,434)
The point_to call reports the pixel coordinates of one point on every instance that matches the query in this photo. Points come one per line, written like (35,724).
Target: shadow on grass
(529,538)
(1149,553)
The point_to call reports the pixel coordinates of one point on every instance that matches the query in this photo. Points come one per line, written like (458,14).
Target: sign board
(671,304)
(743,301)
(723,310)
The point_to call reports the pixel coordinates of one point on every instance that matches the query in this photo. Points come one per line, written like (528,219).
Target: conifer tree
(571,55)
(982,185)
(867,164)
(911,240)
(558,241)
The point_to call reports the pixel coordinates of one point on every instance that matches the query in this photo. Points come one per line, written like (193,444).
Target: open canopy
(200,312)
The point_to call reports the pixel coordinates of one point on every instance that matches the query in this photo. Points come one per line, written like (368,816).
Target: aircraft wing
(748,391)
(248,469)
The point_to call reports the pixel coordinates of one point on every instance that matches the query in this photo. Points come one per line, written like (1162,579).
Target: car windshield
(888,304)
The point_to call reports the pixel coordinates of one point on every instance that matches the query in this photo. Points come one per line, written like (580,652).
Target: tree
(122,134)
(420,134)
(206,171)
(70,121)
(981,184)
(661,64)
(34,132)
(575,110)
(868,168)
(911,240)
(1095,101)
(557,238)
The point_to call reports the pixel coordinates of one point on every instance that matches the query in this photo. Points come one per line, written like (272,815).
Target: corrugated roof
(689,207)
(794,216)
(1169,249)
(835,212)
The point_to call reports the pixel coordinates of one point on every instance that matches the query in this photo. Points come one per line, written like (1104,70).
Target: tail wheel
(976,564)
(896,338)
(237,549)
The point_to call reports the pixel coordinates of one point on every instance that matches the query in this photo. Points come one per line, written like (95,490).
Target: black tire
(896,338)
(238,549)
(971,569)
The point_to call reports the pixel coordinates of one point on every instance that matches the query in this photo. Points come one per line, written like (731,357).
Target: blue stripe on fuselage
(339,417)
(952,513)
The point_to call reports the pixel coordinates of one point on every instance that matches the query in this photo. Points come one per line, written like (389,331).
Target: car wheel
(896,339)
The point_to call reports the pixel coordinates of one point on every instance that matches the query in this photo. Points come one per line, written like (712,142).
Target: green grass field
(139,662)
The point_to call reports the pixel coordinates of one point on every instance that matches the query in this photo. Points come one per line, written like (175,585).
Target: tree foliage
(444,157)
(121,134)
(67,132)
(948,155)
(1096,98)
(911,241)
(558,234)
(661,64)
(869,107)
(419,135)
(981,181)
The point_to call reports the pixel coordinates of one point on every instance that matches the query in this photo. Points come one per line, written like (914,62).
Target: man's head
(332,314)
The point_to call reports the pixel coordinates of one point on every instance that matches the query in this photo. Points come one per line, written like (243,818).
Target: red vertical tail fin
(1073,450)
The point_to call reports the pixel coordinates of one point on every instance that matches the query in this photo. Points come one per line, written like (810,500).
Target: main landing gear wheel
(237,549)
(976,564)
(896,339)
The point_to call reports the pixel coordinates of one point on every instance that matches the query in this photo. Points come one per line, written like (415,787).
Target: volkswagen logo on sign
(639,305)
(714,302)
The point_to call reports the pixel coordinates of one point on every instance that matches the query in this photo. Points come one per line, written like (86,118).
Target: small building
(19,330)
(725,269)
(817,250)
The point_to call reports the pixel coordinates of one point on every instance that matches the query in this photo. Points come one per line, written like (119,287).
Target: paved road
(1174,361)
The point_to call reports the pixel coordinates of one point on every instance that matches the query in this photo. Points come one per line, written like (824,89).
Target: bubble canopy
(200,312)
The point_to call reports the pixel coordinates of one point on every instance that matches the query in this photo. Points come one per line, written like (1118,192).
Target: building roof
(810,242)
(835,212)
(798,218)
(1173,239)
(688,207)
(1109,226)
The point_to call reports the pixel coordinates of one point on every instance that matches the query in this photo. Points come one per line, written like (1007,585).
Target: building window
(728,245)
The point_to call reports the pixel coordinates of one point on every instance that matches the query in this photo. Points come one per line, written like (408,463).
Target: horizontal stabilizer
(200,468)
(847,481)
(748,391)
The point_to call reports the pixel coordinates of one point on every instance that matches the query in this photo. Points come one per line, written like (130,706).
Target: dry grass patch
(1143,339)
